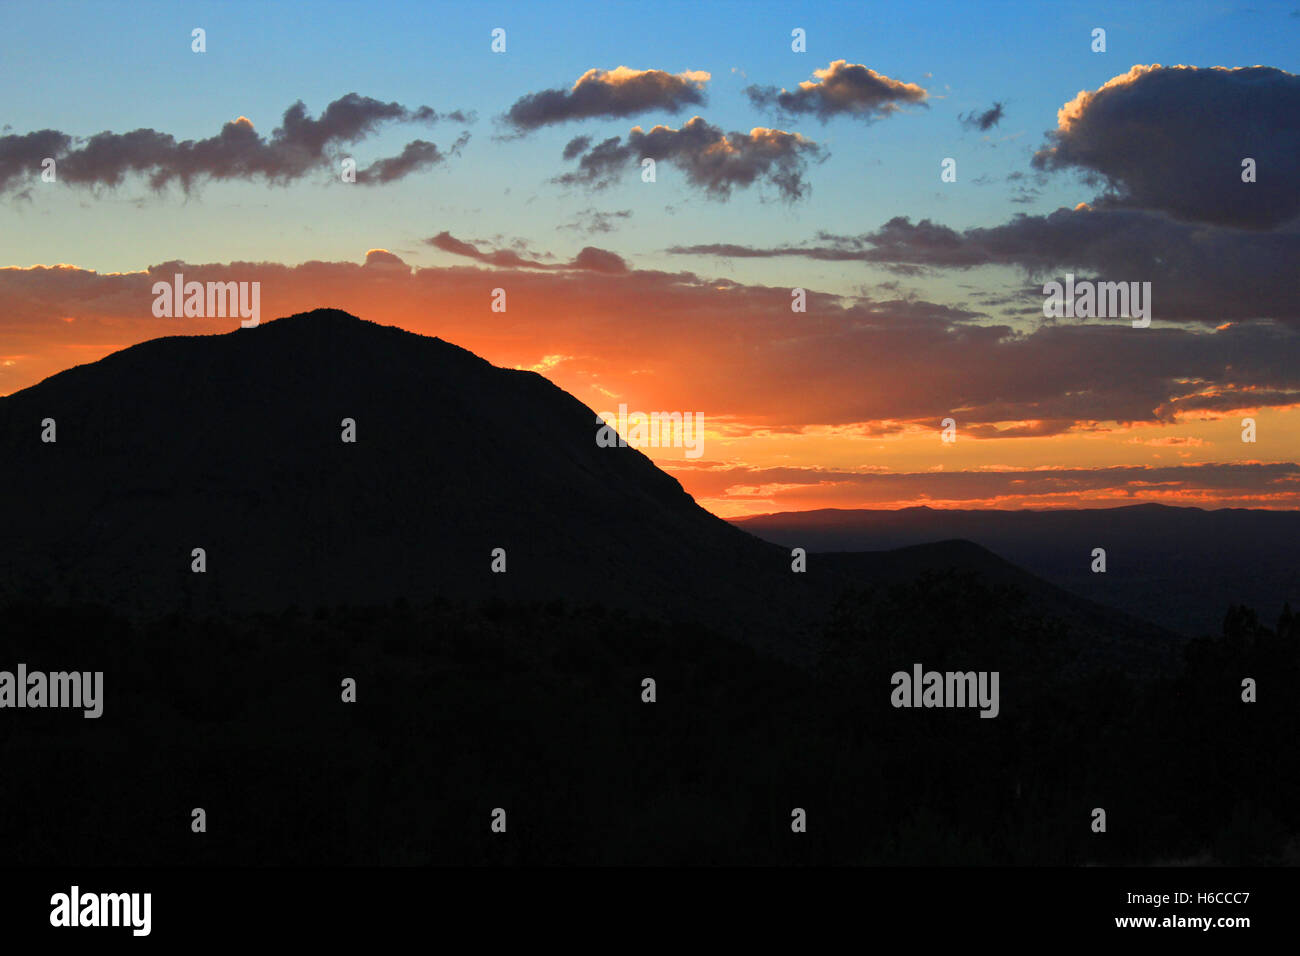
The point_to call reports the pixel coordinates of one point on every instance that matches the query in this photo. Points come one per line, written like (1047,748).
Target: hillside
(1180,566)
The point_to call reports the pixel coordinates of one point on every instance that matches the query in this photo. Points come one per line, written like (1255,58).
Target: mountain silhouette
(233,443)
(1182,566)
(331,562)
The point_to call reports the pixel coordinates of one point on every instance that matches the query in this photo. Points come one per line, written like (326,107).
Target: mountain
(1181,566)
(335,567)
(233,443)
(1096,635)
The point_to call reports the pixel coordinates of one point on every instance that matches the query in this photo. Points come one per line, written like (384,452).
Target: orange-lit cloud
(615,93)
(842,403)
(733,492)
(841,89)
(734,351)
(1174,139)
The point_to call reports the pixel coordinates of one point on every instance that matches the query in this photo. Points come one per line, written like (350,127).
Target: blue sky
(86,68)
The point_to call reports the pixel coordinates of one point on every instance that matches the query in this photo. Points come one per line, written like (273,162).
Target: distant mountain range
(1180,566)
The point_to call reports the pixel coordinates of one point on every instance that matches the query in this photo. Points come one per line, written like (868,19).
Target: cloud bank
(299,145)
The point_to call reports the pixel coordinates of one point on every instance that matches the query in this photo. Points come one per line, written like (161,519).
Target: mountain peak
(329,323)
(336,317)
(323,458)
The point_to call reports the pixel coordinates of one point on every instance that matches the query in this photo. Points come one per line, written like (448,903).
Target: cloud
(300,145)
(383,259)
(733,351)
(841,89)
(589,259)
(899,241)
(1198,273)
(614,93)
(598,260)
(984,121)
(1172,139)
(418,155)
(576,146)
(712,160)
(845,372)
(21,155)
(592,221)
(1215,484)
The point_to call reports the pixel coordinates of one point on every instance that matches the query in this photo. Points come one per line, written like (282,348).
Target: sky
(776,169)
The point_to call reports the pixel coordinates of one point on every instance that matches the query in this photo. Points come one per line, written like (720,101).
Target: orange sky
(837,407)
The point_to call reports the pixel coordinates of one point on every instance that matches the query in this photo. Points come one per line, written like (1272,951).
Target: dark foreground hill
(233,443)
(1181,566)
(1092,635)
(330,562)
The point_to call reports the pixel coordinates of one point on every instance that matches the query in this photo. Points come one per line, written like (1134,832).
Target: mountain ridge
(1183,565)
(233,443)
(211,435)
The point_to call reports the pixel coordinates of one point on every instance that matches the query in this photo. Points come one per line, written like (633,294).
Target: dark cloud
(899,241)
(730,250)
(592,221)
(298,146)
(841,89)
(984,121)
(417,155)
(590,259)
(1172,139)
(614,93)
(1198,273)
(576,146)
(713,160)
(21,155)
(598,260)
(446,242)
